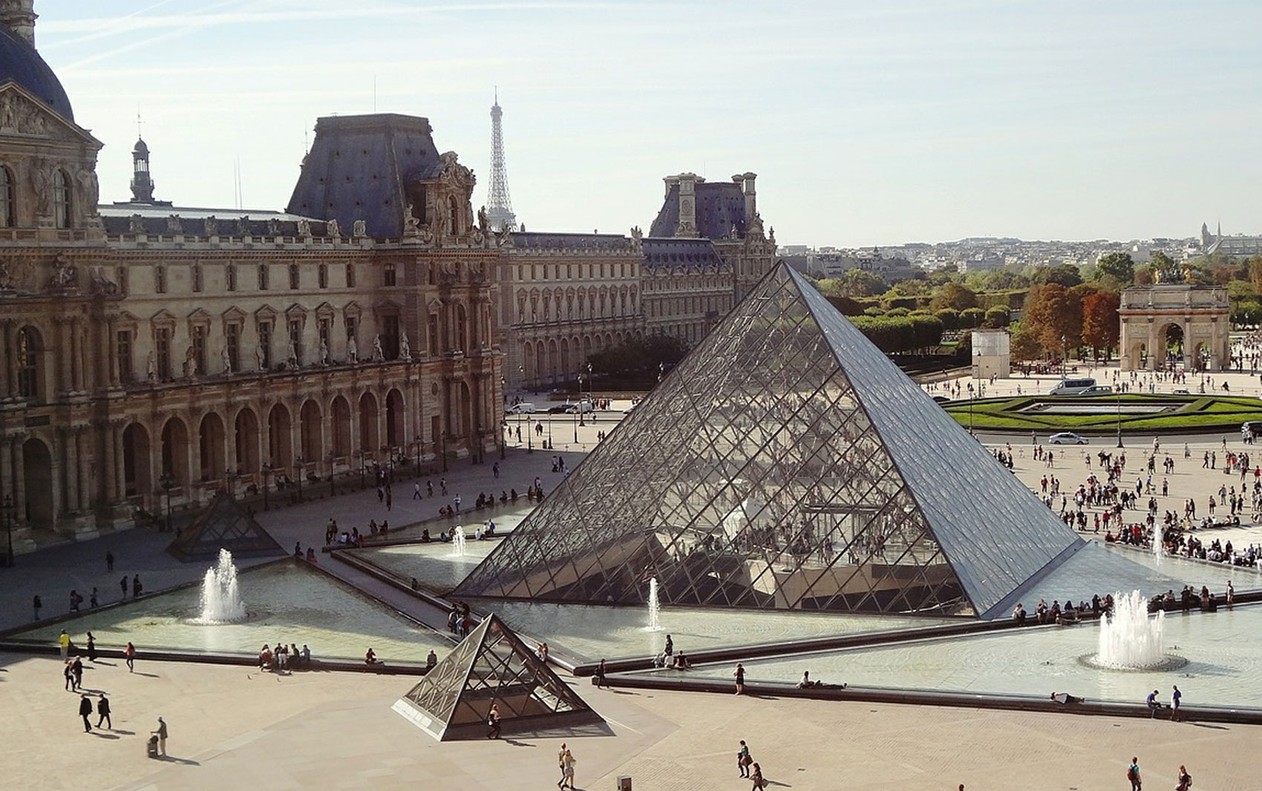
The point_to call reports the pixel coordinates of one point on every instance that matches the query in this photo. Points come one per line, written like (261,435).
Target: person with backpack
(1185,779)
(493,722)
(1133,775)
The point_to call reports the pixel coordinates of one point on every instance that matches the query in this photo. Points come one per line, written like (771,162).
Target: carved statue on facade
(304,226)
(484,223)
(190,363)
(411,225)
(243,225)
(91,189)
(636,234)
(174,226)
(331,230)
(150,367)
(136,224)
(273,226)
(359,229)
(99,283)
(291,355)
(226,360)
(352,349)
(6,278)
(41,185)
(324,352)
(64,274)
(377,354)
(259,359)
(405,348)
(210,226)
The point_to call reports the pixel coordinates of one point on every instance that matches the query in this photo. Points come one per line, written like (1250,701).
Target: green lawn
(1195,413)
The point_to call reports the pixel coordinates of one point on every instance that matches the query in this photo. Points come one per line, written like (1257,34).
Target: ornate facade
(152,355)
(1175,325)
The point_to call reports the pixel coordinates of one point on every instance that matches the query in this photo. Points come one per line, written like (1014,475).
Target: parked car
(1097,390)
(558,409)
(581,407)
(1067,438)
(1073,386)
(940,399)
(1251,428)
(523,408)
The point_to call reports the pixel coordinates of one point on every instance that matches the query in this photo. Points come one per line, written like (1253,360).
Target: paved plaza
(336,730)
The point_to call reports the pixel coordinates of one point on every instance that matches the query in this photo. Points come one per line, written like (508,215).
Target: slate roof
(674,253)
(20,63)
(358,169)
(720,207)
(571,241)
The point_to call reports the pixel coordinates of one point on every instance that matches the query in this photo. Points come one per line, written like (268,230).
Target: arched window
(28,363)
(8,217)
(61,198)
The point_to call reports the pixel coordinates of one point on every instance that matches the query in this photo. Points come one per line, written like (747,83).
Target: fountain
(1129,639)
(1158,539)
(655,607)
(457,541)
(221,596)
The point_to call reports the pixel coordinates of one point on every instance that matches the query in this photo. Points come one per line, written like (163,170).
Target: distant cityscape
(987,254)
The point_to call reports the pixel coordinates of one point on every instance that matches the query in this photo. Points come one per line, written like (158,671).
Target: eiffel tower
(500,207)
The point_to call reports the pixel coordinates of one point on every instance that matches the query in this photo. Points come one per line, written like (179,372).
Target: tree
(1100,322)
(1120,266)
(997,317)
(972,317)
(950,318)
(1025,343)
(861,283)
(1255,273)
(1066,275)
(952,295)
(1055,316)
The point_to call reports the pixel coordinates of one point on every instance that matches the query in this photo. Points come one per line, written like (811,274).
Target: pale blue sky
(867,122)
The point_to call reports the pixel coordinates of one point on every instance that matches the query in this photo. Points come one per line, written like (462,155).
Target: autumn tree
(953,295)
(1054,316)
(1100,323)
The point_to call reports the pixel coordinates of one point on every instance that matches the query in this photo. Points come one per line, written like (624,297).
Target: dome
(141,148)
(20,63)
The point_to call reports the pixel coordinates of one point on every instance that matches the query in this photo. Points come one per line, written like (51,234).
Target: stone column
(7,385)
(68,452)
(109,483)
(119,468)
(18,473)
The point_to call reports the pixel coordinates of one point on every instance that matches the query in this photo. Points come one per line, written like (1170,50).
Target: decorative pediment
(265,313)
(163,316)
(199,316)
(352,309)
(22,114)
(295,311)
(325,311)
(386,306)
(233,315)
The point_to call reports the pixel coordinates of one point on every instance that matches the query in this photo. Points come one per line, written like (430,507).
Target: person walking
(123,584)
(129,654)
(1133,775)
(416,490)
(135,586)
(63,641)
(76,667)
(561,761)
(85,711)
(91,648)
(103,712)
(599,677)
(67,671)
(109,561)
(1185,779)
(1176,699)
(743,759)
(161,733)
(567,769)
(755,774)
(740,678)
(493,722)
(38,603)
(92,600)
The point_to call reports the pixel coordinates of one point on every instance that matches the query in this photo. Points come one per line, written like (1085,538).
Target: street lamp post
(419,442)
(578,409)
(266,472)
(443,440)
(9,508)
(590,399)
(502,422)
(332,483)
(1119,418)
(167,483)
(363,465)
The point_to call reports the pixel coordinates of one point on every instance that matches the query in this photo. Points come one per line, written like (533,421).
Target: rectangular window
(352,328)
(323,330)
(197,277)
(293,277)
(121,273)
(263,277)
(295,337)
(232,341)
(433,334)
(122,348)
(230,278)
(199,348)
(390,338)
(160,279)
(323,273)
(389,275)
(350,275)
(162,351)
(265,344)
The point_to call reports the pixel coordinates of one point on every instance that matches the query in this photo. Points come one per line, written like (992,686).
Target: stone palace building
(153,354)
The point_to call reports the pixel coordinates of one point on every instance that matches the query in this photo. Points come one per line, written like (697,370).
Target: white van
(524,408)
(1073,386)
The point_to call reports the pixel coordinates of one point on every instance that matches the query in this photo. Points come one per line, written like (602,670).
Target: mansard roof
(720,207)
(674,253)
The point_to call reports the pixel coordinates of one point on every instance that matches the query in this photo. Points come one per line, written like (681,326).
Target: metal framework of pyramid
(226,524)
(492,665)
(786,463)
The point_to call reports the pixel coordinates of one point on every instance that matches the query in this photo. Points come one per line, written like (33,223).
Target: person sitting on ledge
(370,658)
(414,584)
(1152,703)
(311,555)
(443,537)
(1064,698)
(806,682)
(512,495)
(265,657)
(503,496)
(425,539)
(1018,614)
(681,662)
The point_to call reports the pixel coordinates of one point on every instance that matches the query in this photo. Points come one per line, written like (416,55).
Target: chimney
(19,17)
(751,198)
(687,226)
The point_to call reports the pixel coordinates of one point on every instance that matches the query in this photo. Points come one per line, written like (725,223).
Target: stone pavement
(232,725)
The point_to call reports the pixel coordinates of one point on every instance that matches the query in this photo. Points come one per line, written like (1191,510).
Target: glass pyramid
(786,463)
(492,665)
(226,524)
